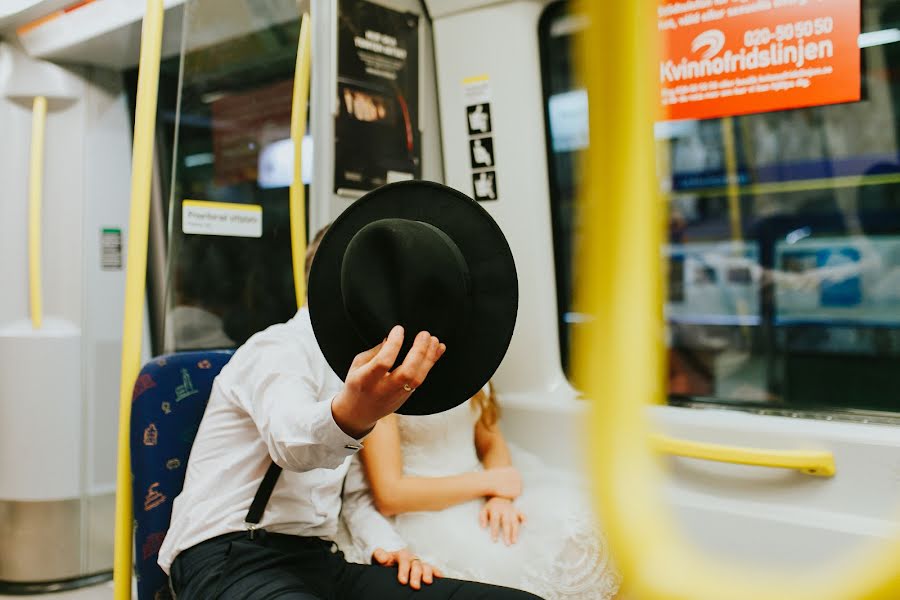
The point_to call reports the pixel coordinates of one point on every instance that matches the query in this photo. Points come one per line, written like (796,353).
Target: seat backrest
(169,399)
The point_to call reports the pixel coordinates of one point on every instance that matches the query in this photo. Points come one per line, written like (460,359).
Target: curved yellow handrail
(135,277)
(35,196)
(298,129)
(624,223)
(819,463)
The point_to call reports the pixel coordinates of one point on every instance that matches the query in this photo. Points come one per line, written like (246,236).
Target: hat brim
(476,350)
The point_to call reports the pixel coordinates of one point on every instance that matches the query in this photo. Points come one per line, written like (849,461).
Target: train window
(567,133)
(229,272)
(784,238)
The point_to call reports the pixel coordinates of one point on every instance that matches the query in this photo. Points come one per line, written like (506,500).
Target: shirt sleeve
(298,429)
(368,528)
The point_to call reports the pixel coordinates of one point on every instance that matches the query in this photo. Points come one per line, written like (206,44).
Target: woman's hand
(501,514)
(410,568)
(505,482)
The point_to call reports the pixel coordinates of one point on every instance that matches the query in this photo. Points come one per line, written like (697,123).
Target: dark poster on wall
(377,123)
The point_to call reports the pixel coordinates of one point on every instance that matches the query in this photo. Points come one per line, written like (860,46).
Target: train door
(228,119)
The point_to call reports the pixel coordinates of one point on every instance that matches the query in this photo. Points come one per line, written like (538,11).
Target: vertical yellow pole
(298,129)
(619,353)
(731,179)
(732,185)
(135,278)
(35,195)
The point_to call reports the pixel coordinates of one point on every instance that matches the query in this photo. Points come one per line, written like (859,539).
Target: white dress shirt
(272,401)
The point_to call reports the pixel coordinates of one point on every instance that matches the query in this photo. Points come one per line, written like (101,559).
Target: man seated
(242,529)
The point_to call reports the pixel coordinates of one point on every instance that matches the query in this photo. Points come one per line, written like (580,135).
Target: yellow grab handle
(619,354)
(298,129)
(35,196)
(812,462)
(135,277)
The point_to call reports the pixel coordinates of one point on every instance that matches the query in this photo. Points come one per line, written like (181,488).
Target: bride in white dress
(448,483)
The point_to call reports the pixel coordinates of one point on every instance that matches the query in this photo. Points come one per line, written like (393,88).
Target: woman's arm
(395,493)
(498,513)
(491,446)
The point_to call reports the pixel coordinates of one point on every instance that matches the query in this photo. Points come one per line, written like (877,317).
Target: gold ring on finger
(407,388)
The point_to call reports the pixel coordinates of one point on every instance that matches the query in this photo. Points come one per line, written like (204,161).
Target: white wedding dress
(560,554)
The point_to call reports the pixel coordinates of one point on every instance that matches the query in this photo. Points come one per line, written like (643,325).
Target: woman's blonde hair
(486,403)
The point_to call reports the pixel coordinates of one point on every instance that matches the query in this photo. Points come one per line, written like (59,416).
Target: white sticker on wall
(476,90)
(111,249)
(200,217)
(480,131)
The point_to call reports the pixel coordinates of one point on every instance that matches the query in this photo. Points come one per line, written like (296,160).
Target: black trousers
(286,567)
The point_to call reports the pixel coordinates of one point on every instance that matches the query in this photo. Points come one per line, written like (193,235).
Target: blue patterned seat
(169,398)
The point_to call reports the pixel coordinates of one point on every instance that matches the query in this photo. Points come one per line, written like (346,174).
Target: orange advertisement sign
(732,57)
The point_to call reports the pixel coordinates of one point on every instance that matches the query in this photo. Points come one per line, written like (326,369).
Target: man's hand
(501,514)
(371,391)
(410,569)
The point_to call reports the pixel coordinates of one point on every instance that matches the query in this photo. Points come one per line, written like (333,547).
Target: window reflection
(783,258)
(233,147)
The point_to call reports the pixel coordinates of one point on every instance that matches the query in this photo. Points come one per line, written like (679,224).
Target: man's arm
(375,537)
(280,391)
(368,529)
(302,433)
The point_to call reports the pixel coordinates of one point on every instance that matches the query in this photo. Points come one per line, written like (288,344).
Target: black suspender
(263,493)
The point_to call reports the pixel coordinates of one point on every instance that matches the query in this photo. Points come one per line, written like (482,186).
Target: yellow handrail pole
(135,277)
(618,354)
(734,209)
(35,196)
(732,185)
(620,351)
(298,129)
(819,463)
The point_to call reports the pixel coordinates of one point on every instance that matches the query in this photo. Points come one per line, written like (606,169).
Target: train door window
(784,238)
(567,136)
(230,272)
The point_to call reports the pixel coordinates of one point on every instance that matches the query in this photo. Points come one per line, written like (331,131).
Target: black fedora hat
(429,258)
